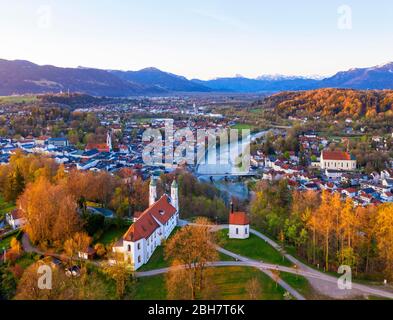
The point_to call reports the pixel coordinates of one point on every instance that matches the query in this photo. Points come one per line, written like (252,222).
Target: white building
(239,225)
(337,160)
(15,219)
(150,227)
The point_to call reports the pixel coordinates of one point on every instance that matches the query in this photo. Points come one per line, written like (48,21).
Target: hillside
(331,103)
(164,80)
(21,77)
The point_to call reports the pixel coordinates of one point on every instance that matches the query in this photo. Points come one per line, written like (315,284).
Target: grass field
(157,260)
(5,243)
(241,126)
(112,235)
(151,288)
(17,99)
(5,206)
(230,282)
(301,285)
(253,247)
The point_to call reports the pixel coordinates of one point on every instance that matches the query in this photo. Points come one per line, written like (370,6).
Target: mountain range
(22,77)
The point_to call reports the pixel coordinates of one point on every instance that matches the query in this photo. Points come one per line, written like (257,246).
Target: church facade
(150,227)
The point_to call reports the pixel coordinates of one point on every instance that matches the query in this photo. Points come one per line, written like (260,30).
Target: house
(101,147)
(239,225)
(150,227)
(350,192)
(58,142)
(87,254)
(15,219)
(337,160)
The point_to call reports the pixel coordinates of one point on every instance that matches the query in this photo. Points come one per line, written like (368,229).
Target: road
(323,283)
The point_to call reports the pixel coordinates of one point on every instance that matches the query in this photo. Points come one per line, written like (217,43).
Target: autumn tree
(79,242)
(28,287)
(50,213)
(120,272)
(384,236)
(254,289)
(193,247)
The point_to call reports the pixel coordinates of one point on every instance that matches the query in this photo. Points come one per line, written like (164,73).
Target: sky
(200,39)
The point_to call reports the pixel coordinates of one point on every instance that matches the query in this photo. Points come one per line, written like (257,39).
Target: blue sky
(203,39)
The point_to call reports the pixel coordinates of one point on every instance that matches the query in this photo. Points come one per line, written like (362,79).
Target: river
(222,172)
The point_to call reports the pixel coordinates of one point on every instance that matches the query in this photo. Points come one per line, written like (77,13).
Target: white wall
(239,231)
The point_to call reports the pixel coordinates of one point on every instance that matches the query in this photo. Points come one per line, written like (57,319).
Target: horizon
(314,77)
(202,40)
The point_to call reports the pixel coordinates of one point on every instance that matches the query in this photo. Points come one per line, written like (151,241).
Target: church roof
(162,210)
(238,218)
(337,155)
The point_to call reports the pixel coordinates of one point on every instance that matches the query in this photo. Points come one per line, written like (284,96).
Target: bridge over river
(221,162)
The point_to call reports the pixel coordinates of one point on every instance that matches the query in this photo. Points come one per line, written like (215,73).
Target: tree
(254,289)
(61,288)
(120,272)
(384,236)
(50,212)
(324,222)
(193,247)
(276,276)
(100,249)
(15,185)
(179,282)
(16,246)
(79,242)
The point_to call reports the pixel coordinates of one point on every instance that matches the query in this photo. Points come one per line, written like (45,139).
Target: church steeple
(109,140)
(152,191)
(175,194)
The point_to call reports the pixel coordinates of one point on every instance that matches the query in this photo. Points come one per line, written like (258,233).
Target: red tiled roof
(336,155)
(162,210)
(16,214)
(102,147)
(239,218)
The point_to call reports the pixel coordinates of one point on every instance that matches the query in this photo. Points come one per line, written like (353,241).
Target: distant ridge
(21,77)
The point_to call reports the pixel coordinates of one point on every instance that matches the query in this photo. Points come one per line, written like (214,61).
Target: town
(89,153)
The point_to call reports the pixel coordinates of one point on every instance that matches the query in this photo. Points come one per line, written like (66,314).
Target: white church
(150,227)
(239,225)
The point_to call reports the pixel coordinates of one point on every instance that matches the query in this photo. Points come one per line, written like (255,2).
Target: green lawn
(150,288)
(25,260)
(301,285)
(5,207)
(230,282)
(112,235)
(157,260)
(241,126)
(253,247)
(5,242)
(17,99)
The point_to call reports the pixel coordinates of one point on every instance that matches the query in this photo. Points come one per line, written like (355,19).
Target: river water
(220,170)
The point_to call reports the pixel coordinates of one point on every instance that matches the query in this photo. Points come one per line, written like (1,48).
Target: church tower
(175,195)
(109,140)
(152,191)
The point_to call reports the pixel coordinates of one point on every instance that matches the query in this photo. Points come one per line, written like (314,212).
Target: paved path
(248,262)
(323,283)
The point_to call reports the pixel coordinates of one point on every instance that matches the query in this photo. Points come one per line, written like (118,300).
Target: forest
(327,231)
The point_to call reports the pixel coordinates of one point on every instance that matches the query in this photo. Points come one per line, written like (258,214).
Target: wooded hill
(337,103)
